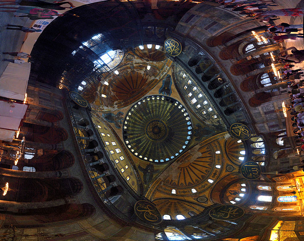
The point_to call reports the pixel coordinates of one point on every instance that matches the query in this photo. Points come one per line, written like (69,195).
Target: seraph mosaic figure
(166,88)
(117,119)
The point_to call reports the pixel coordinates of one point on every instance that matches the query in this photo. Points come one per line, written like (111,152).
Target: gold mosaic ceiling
(185,181)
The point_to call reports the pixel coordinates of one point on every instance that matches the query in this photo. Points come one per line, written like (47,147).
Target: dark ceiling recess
(122,25)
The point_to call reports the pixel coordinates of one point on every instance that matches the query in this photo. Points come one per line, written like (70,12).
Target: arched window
(285,188)
(265,80)
(167,217)
(287,209)
(258,207)
(264,188)
(264,198)
(250,48)
(287,199)
(180,217)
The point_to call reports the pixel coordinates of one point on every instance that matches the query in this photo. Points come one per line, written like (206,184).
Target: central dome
(157,129)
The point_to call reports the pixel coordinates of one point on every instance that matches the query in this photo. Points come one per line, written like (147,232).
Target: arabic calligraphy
(240,131)
(78,99)
(147,211)
(226,212)
(250,170)
(172,47)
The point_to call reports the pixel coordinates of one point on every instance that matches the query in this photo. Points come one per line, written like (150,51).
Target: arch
(114,191)
(218,191)
(216,83)
(51,162)
(231,51)
(61,213)
(83,122)
(194,60)
(92,144)
(244,66)
(230,110)
(249,84)
(260,98)
(43,134)
(228,100)
(50,115)
(101,167)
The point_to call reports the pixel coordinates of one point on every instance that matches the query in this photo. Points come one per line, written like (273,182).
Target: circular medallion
(157,129)
(240,131)
(226,212)
(147,211)
(78,99)
(172,47)
(250,170)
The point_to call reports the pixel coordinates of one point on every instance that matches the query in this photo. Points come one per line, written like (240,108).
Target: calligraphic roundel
(240,131)
(78,99)
(147,211)
(226,212)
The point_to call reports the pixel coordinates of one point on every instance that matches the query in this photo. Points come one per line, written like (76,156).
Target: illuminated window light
(264,198)
(113,143)
(215,116)
(166,217)
(189,82)
(183,75)
(243,189)
(217,152)
(111,152)
(241,158)
(122,170)
(116,161)
(218,166)
(106,143)
(108,135)
(210,109)
(148,67)
(118,150)
(127,178)
(103,95)
(157,47)
(194,89)
(198,106)
(210,180)
(173,191)
(243,185)
(242,152)
(190,94)
(204,112)
(99,126)
(194,190)
(126,167)
(106,83)
(103,134)
(116,72)
(141,47)
(5,189)
(83,83)
(121,157)
(185,87)
(200,95)
(233,202)
(149,46)
(205,102)
(241,194)
(239,141)
(194,100)
(180,217)
(80,88)
(237,199)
